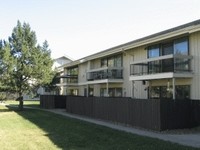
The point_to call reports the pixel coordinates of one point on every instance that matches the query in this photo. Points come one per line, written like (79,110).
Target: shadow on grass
(5,108)
(65,133)
(69,133)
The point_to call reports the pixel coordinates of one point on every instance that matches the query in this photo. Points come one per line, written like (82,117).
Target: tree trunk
(21,103)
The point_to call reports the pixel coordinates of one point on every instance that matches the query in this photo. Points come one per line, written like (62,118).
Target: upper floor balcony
(66,80)
(167,66)
(105,73)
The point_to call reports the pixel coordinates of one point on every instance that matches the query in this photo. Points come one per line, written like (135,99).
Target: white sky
(78,28)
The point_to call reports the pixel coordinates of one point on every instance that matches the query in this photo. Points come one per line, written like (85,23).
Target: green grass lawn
(37,129)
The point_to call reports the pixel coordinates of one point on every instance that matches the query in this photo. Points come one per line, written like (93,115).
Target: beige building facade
(162,65)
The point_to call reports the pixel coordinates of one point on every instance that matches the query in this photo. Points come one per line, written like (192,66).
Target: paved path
(192,140)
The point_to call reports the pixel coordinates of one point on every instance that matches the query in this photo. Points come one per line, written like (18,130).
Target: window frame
(187,44)
(151,48)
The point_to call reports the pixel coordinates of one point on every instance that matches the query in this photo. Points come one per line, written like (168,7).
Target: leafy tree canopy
(23,63)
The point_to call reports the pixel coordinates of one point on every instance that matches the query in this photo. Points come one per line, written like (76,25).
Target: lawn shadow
(68,133)
(57,128)
(5,108)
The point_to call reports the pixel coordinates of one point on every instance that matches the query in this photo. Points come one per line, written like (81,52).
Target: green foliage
(24,64)
(52,85)
(2,96)
(6,65)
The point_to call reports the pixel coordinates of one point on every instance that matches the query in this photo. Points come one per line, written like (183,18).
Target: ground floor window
(181,92)
(73,92)
(91,92)
(112,92)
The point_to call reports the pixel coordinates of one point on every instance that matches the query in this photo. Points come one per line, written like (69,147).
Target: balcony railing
(175,64)
(69,79)
(108,73)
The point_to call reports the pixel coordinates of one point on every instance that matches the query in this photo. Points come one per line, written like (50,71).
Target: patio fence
(157,114)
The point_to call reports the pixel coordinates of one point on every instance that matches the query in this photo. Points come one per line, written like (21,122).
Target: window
(182,92)
(73,92)
(167,49)
(72,71)
(72,74)
(112,92)
(167,65)
(166,92)
(157,92)
(103,92)
(181,46)
(154,92)
(153,51)
(91,92)
(181,64)
(154,67)
(118,92)
(114,61)
(85,91)
(178,46)
(118,61)
(104,62)
(111,62)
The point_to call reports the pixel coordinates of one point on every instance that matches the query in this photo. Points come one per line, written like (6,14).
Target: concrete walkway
(192,140)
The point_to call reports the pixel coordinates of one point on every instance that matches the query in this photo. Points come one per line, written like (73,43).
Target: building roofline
(134,43)
(64,56)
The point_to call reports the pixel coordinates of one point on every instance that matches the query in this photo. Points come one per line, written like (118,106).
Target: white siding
(136,90)
(195,52)
(82,69)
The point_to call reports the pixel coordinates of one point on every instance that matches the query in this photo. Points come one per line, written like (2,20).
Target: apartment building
(162,65)
(57,63)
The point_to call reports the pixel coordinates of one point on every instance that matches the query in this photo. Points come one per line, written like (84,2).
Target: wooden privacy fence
(150,114)
(52,101)
(141,113)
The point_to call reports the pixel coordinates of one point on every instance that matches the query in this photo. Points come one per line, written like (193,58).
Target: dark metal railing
(160,66)
(105,74)
(69,78)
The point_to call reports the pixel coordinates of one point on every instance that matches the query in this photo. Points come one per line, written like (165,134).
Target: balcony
(168,66)
(68,80)
(105,73)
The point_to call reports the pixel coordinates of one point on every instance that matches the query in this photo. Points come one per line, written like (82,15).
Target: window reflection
(153,51)
(114,61)
(167,49)
(181,64)
(181,92)
(178,47)
(112,92)
(154,67)
(167,65)
(181,46)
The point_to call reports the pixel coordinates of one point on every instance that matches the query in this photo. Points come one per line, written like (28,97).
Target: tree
(52,85)
(6,65)
(27,64)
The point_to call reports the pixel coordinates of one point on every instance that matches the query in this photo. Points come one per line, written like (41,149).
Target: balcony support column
(87,90)
(107,89)
(174,90)
(132,89)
